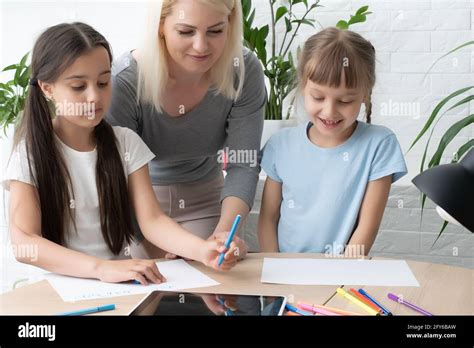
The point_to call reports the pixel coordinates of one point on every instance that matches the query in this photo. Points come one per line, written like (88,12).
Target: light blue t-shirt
(323,188)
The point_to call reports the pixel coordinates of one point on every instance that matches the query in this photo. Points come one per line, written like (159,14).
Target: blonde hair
(332,52)
(152,65)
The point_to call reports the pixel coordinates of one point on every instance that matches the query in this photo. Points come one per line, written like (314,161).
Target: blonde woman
(193,93)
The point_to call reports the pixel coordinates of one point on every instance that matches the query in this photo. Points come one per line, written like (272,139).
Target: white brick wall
(408,35)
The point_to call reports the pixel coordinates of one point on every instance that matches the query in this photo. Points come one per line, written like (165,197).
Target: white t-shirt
(81,166)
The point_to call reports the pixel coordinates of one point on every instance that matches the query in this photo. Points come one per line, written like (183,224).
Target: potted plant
(13,93)
(460,97)
(278,63)
(12,101)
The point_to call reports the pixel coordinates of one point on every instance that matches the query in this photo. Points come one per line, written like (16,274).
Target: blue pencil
(297,310)
(109,307)
(229,238)
(386,311)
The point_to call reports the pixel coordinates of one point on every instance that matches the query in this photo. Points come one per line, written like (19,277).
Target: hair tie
(33,82)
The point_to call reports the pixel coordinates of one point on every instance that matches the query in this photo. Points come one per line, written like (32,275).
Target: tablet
(161,303)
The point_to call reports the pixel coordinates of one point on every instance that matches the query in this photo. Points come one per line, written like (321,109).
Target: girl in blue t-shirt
(329,179)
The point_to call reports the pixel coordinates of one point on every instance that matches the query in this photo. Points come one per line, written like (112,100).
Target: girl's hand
(143,271)
(213,248)
(241,247)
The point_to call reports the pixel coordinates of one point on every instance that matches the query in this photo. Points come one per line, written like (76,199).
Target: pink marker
(315,310)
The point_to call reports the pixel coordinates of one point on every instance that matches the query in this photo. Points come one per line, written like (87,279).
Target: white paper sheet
(337,272)
(179,274)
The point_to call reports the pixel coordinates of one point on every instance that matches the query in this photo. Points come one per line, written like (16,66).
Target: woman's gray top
(189,147)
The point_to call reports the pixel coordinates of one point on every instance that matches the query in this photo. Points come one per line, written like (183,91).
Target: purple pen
(395,298)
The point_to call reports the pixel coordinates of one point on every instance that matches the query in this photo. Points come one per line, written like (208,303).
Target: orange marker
(366,300)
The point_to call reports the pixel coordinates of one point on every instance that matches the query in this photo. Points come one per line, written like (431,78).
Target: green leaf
(23,60)
(447,54)
(251,18)
(343,25)
(24,77)
(9,103)
(304,21)
(11,67)
(260,45)
(6,87)
(280,13)
(264,31)
(462,150)
(357,19)
(464,101)
(3,98)
(246,6)
(440,232)
(253,38)
(290,58)
(17,76)
(316,4)
(288,25)
(362,10)
(436,111)
(448,137)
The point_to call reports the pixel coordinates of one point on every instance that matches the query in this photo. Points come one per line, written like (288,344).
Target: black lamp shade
(451,186)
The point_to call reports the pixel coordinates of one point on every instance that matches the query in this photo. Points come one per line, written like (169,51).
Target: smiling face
(195,36)
(82,93)
(333,110)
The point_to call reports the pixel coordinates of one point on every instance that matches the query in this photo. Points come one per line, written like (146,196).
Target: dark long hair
(55,50)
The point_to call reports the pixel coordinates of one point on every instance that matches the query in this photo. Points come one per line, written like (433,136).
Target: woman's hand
(143,271)
(240,247)
(237,250)
(211,253)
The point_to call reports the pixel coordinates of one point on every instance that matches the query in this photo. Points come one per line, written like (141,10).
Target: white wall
(408,37)
(121,22)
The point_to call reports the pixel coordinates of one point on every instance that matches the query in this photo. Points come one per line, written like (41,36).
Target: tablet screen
(174,303)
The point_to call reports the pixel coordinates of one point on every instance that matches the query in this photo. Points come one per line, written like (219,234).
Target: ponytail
(46,165)
(115,213)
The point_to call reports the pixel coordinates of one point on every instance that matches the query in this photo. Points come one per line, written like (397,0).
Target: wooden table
(443,290)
